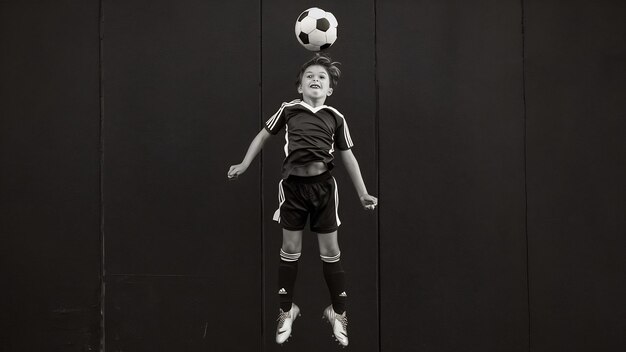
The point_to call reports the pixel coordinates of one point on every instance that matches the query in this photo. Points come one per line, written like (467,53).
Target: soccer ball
(316,29)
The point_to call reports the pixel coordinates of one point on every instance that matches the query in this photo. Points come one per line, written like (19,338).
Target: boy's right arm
(254,149)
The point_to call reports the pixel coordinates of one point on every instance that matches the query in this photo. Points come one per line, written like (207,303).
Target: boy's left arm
(352,166)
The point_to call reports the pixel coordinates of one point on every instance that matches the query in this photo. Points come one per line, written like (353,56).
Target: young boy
(312,132)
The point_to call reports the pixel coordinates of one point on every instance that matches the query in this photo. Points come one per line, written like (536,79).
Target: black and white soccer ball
(316,29)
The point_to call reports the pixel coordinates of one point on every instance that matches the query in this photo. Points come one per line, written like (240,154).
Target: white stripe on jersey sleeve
(271,122)
(346,134)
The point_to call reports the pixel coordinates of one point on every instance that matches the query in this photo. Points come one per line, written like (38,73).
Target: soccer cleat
(285,321)
(339,323)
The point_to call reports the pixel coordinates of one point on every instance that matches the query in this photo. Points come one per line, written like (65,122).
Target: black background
(492,132)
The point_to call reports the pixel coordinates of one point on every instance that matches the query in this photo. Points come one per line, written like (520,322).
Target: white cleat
(285,321)
(339,323)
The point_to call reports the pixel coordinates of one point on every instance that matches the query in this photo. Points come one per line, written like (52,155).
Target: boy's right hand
(235,171)
(369,202)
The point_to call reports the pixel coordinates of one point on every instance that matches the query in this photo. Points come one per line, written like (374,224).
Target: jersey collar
(312,109)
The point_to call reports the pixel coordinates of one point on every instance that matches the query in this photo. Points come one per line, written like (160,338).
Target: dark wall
(576,107)
(182,244)
(452,217)
(492,132)
(49,176)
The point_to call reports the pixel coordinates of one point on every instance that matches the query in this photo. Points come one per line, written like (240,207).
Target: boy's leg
(334,274)
(325,221)
(288,267)
(336,281)
(287,272)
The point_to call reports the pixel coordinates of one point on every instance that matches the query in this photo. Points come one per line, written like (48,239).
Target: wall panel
(49,176)
(180,79)
(576,84)
(452,215)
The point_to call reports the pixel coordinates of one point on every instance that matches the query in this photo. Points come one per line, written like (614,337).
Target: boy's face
(315,83)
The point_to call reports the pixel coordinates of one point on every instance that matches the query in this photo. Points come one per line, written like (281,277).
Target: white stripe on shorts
(281,200)
(336,202)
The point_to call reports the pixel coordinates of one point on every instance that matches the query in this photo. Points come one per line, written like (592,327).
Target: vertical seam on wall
(377,158)
(525,172)
(101,174)
(261,190)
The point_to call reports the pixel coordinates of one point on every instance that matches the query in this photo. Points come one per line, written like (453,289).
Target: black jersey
(311,134)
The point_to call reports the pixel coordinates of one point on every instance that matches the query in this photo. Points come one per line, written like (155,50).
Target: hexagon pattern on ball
(316,29)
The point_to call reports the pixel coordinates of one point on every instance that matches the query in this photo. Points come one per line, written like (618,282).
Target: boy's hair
(327,63)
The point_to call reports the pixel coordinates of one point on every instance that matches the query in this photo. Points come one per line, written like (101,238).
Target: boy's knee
(291,247)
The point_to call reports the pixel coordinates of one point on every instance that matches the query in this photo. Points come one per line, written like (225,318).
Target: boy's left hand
(368,202)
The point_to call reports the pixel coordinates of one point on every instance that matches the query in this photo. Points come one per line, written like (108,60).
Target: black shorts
(300,197)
